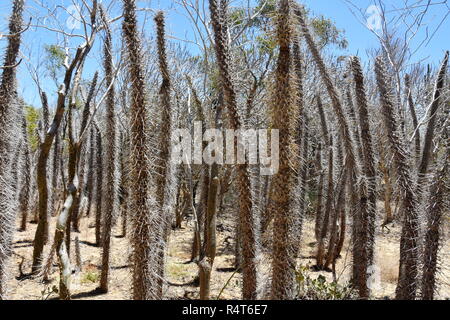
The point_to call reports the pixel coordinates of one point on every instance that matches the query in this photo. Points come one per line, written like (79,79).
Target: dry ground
(180,273)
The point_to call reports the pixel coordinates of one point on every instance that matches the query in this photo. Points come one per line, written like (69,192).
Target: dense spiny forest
(121,180)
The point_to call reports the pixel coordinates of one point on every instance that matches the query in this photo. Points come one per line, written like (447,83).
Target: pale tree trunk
(62,232)
(206,263)
(208,254)
(44,151)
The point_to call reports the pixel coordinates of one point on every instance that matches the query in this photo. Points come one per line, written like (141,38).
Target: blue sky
(360,39)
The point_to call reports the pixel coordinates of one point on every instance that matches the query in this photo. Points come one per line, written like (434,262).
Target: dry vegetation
(181,274)
(95,205)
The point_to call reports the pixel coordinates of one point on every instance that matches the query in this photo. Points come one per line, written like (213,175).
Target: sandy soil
(181,274)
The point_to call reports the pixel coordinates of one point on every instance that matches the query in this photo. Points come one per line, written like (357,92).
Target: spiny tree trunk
(354,124)
(438,191)
(389,217)
(124,181)
(429,134)
(344,129)
(328,207)
(91,171)
(206,263)
(99,188)
(7,118)
(364,246)
(415,122)
(164,152)
(319,206)
(324,221)
(55,175)
(209,249)
(246,218)
(109,187)
(284,116)
(339,203)
(140,204)
(336,248)
(302,137)
(203,180)
(436,207)
(25,192)
(407,283)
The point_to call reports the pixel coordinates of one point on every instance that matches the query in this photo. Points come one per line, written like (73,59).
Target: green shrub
(319,288)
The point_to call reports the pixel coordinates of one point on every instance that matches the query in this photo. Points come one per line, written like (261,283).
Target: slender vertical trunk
(407,284)
(209,249)
(364,246)
(324,221)
(328,207)
(415,122)
(246,218)
(284,107)
(429,134)
(91,171)
(438,190)
(99,189)
(109,187)
(334,243)
(123,195)
(344,128)
(319,206)
(163,165)
(55,175)
(389,217)
(7,118)
(435,210)
(25,192)
(302,137)
(142,239)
